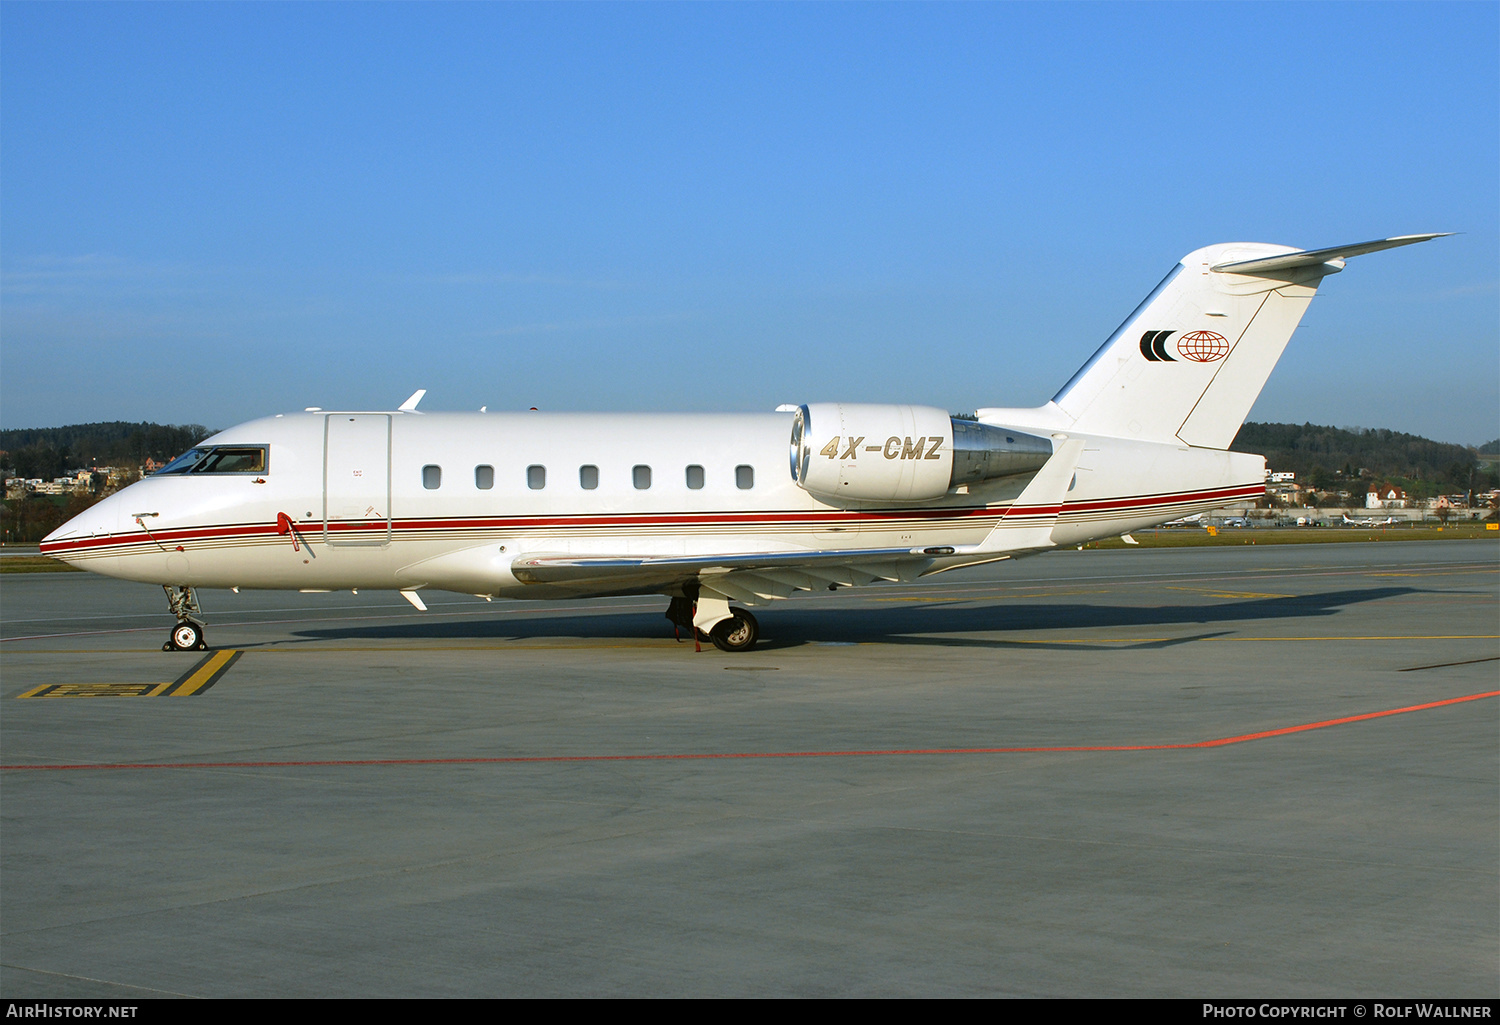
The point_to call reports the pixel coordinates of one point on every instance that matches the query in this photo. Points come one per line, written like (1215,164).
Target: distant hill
(1324,454)
(48,452)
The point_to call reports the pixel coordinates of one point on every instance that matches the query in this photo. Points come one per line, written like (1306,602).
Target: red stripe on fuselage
(98,544)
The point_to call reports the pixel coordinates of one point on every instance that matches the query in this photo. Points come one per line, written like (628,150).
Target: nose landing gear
(187,635)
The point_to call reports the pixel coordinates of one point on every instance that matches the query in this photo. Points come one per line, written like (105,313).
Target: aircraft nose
(103,517)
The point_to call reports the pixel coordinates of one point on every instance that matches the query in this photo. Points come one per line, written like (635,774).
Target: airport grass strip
(35,564)
(706,756)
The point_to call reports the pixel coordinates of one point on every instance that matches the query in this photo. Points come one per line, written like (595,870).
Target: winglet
(1313,257)
(410,405)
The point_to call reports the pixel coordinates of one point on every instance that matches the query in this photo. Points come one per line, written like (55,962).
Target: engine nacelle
(898,454)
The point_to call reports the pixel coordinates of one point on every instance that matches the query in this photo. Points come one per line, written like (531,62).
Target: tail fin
(1188,364)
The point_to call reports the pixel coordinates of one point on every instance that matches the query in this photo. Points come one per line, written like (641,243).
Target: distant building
(1385,496)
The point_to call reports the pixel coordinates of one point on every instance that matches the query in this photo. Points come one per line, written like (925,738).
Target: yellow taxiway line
(196,680)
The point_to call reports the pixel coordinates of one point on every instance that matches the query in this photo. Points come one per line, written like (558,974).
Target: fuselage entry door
(357,479)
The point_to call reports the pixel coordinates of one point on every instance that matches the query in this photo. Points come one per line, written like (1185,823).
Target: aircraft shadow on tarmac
(959,623)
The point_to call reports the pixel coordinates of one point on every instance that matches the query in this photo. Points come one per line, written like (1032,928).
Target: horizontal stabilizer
(1313,257)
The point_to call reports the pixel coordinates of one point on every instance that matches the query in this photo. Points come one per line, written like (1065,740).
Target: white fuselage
(367,509)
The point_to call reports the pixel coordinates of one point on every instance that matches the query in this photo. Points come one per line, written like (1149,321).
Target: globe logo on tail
(1203,346)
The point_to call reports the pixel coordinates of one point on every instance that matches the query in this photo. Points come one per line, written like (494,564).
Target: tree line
(1326,456)
(48,452)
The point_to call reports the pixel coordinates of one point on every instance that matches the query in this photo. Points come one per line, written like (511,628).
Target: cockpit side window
(234,460)
(219,459)
(185,462)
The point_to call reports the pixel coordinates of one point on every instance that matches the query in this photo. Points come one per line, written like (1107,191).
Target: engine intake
(891,453)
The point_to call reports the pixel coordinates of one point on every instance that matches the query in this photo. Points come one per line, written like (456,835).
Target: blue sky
(211,212)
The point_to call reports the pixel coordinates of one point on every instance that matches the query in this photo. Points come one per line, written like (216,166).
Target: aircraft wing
(753,578)
(756,578)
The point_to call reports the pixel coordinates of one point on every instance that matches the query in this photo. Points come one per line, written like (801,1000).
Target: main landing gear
(187,635)
(738,633)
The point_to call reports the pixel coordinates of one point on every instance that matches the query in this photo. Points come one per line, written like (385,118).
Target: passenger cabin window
(484,477)
(744,477)
(695,477)
(432,477)
(588,477)
(641,475)
(219,459)
(536,477)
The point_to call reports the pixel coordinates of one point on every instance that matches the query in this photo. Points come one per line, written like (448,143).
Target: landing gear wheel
(186,637)
(738,633)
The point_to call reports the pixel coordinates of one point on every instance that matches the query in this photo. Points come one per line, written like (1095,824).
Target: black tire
(187,637)
(738,633)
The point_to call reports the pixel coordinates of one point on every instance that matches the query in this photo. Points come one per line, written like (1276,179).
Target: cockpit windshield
(219,459)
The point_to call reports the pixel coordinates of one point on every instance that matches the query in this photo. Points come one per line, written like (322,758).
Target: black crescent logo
(1153,346)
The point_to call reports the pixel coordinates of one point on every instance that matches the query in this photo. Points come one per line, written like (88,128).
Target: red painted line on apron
(704,756)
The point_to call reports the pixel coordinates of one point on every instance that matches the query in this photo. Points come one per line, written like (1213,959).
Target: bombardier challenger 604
(709,509)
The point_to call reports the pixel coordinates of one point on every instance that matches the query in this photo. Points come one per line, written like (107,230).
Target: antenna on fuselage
(410,405)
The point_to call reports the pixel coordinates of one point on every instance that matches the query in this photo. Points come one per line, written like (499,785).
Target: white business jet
(1367,521)
(711,509)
